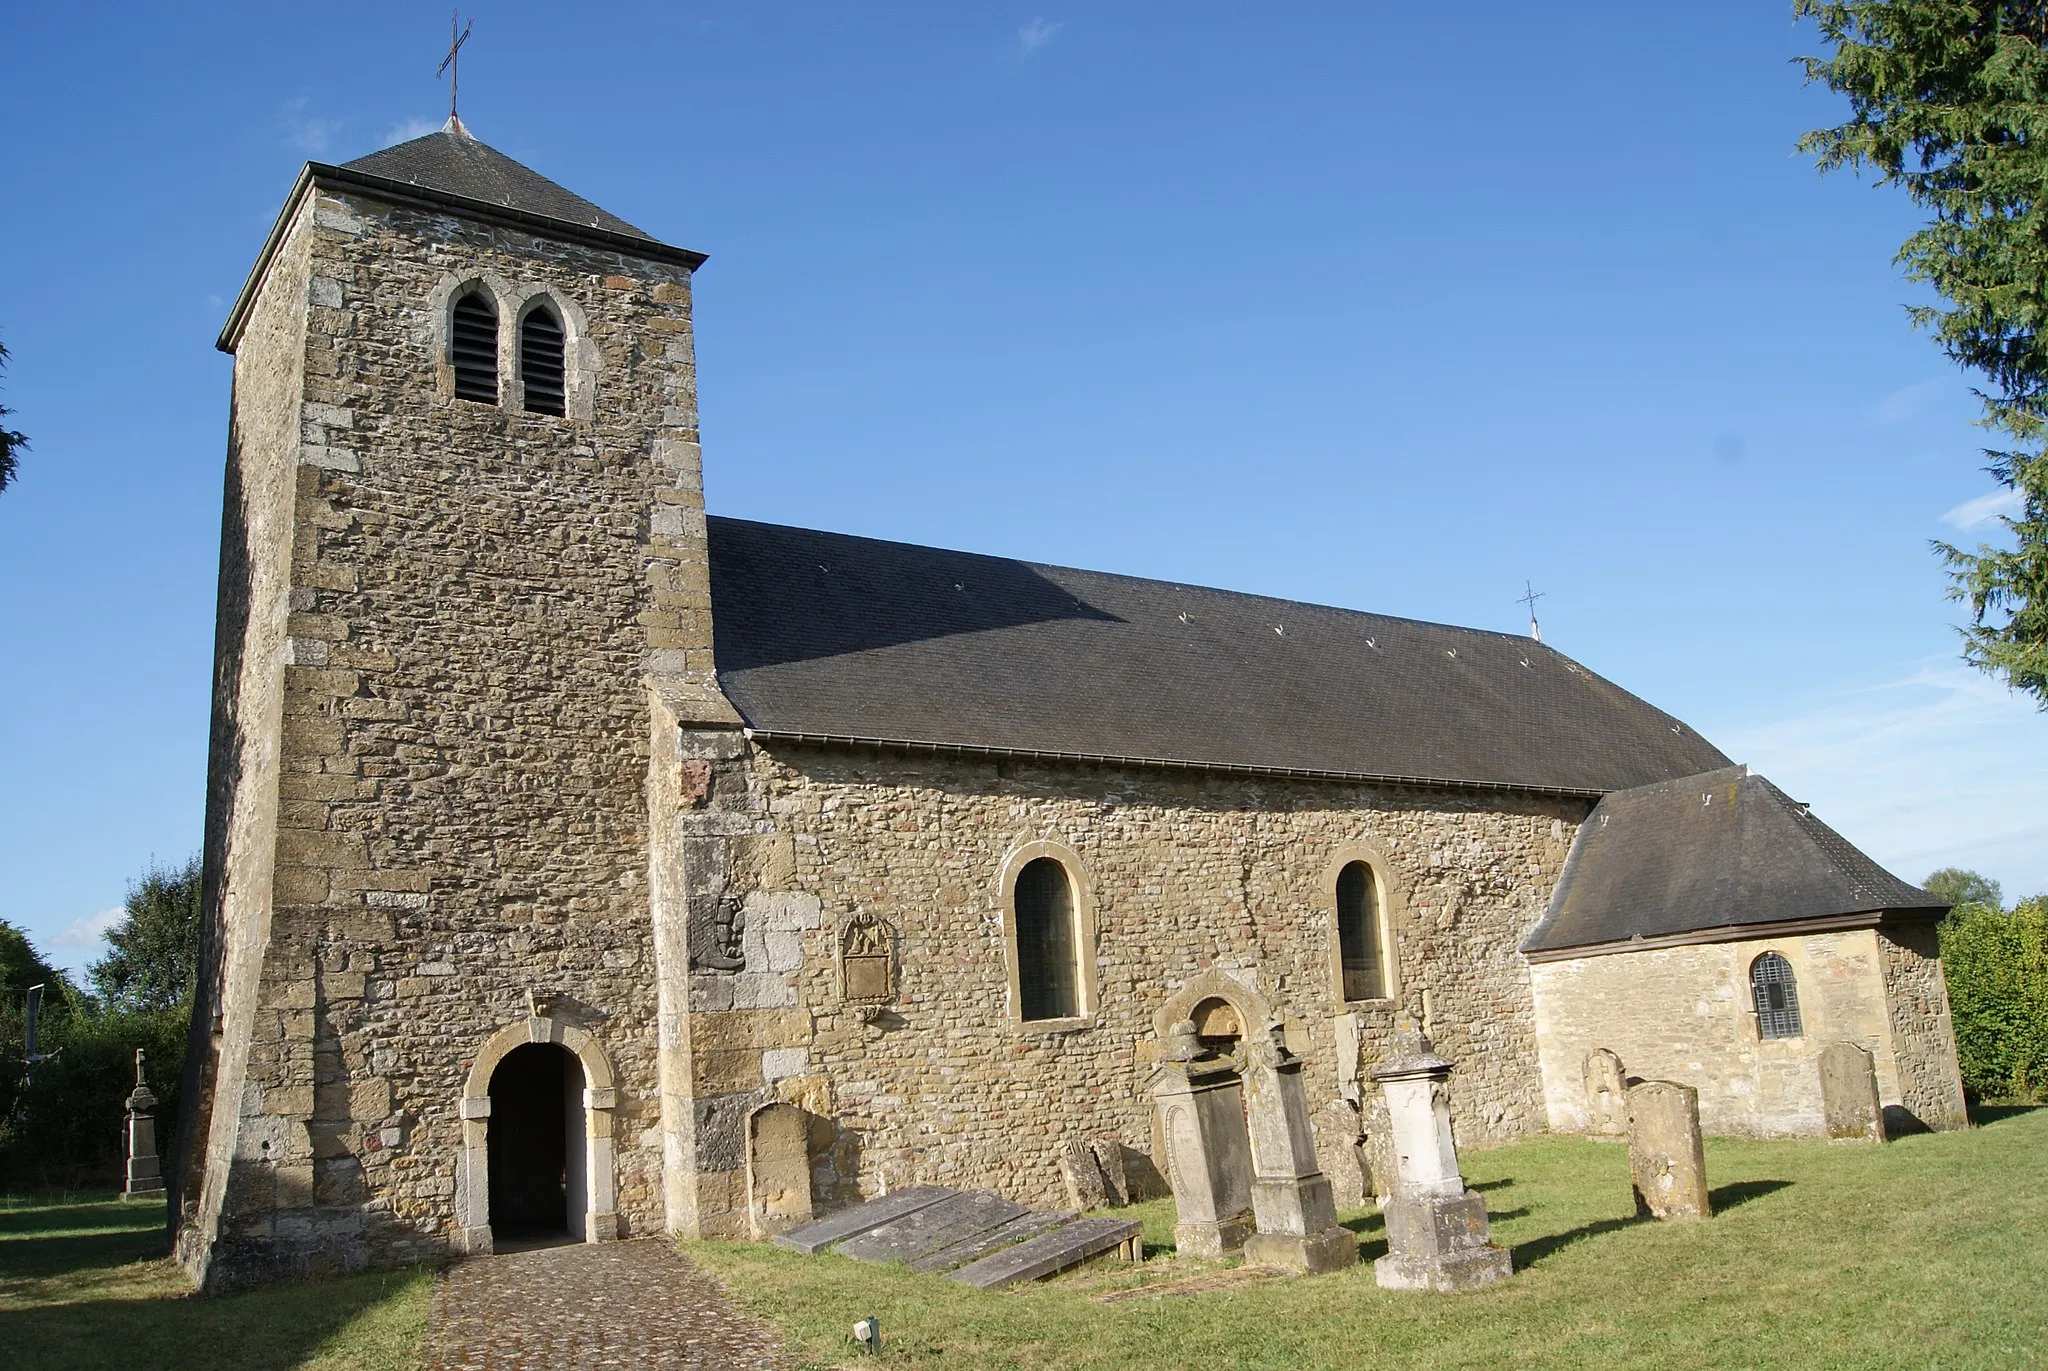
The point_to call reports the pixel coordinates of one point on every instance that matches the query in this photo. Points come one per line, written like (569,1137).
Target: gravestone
(778,1169)
(820,1234)
(1606,1095)
(1340,1150)
(1208,1153)
(867,972)
(1109,1160)
(1028,1225)
(1666,1163)
(1053,1252)
(1291,1197)
(1082,1175)
(1848,1094)
(933,1228)
(1438,1237)
(1380,1162)
(145,1172)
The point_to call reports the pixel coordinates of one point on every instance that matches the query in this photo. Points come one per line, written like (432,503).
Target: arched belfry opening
(539,1187)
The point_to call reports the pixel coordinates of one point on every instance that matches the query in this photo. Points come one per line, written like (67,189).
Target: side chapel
(571,857)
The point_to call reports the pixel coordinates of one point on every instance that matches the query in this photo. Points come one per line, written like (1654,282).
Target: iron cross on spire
(1529,597)
(451,63)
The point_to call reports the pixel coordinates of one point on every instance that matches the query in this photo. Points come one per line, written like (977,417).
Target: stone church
(578,864)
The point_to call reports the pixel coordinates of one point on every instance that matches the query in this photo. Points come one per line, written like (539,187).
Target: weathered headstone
(1082,1175)
(933,1228)
(1848,1094)
(1606,1095)
(778,1169)
(1666,1163)
(973,1249)
(820,1234)
(1382,1166)
(1340,1150)
(1050,1253)
(1438,1237)
(1109,1161)
(1291,1199)
(145,1171)
(1208,1153)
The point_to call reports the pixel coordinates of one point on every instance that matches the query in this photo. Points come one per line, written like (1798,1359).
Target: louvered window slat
(475,350)
(541,368)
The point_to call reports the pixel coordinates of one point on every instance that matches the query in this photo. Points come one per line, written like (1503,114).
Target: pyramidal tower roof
(450,171)
(453,162)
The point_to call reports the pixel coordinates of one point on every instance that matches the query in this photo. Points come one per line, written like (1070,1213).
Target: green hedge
(67,1128)
(1996,963)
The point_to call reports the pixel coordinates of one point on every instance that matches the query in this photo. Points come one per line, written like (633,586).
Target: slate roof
(1721,850)
(450,160)
(831,636)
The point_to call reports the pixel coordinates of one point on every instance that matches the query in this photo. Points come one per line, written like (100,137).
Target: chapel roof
(831,637)
(451,161)
(1724,850)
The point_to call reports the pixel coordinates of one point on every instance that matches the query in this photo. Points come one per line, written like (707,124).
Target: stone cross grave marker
(1208,1153)
(145,1172)
(1291,1199)
(1438,1237)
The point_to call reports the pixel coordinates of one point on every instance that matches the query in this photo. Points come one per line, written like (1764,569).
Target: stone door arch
(600,1098)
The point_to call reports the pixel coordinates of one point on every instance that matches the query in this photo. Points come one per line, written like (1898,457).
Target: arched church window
(473,336)
(1359,943)
(1048,971)
(541,366)
(1777,997)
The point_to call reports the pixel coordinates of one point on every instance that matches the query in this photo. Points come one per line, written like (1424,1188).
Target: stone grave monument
(1606,1095)
(1291,1200)
(1437,1234)
(145,1172)
(778,1169)
(1849,1100)
(1200,1100)
(1666,1163)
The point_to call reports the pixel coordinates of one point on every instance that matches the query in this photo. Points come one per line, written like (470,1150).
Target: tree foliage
(10,441)
(153,961)
(1952,885)
(1996,964)
(1949,101)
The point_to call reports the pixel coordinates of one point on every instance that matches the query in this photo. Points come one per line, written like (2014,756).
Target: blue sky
(1360,304)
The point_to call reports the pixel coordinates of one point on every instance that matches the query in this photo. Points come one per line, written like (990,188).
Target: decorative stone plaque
(867,970)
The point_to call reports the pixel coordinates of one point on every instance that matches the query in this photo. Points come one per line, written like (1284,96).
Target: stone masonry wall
(1191,875)
(479,599)
(1923,1035)
(1685,1014)
(250,650)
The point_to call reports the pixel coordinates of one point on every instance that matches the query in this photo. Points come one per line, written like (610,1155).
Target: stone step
(950,1221)
(1028,1225)
(1049,1253)
(820,1234)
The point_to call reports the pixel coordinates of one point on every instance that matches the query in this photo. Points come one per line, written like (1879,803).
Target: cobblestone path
(591,1305)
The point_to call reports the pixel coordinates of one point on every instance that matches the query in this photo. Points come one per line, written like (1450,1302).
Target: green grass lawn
(1931,1251)
(83,1286)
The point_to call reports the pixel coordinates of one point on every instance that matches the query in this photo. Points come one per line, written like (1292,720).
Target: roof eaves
(1735,933)
(1158,763)
(407,192)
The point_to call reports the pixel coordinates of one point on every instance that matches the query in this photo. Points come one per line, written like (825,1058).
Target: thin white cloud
(1942,766)
(1036,35)
(409,130)
(90,931)
(1982,510)
(307,132)
(1907,401)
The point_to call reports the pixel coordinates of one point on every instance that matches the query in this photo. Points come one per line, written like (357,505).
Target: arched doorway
(539,1190)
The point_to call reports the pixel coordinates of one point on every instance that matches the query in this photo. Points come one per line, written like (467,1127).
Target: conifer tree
(1948,100)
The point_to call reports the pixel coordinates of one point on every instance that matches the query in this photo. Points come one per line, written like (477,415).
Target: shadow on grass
(1371,1221)
(1528,1254)
(57,1218)
(1503,1183)
(46,1258)
(1986,1114)
(1725,1197)
(264,1330)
